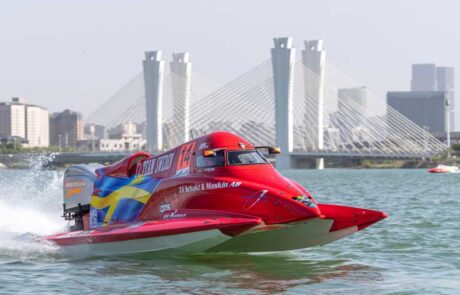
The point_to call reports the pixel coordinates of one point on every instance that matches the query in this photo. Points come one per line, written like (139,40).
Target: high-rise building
(425,108)
(352,105)
(37,126)
(12,119)
(94,131)
(25,120)
(66,129)
(351,111)
(423,77)
(444,78)
(445,82)
(126,128)
(429,77)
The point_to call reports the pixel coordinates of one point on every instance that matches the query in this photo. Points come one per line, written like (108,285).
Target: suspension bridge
(308,107)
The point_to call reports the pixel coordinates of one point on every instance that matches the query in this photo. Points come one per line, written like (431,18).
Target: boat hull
(444,169)
(184,243)
(434,170)
(219,234)
(295,236)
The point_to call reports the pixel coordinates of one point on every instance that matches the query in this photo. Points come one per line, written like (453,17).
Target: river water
(416,250)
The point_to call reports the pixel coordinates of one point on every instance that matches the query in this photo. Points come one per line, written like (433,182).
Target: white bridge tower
(283,59)
(314,61)
(181,73)
(153,82)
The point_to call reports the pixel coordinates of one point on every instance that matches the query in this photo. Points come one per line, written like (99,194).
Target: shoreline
(57,161)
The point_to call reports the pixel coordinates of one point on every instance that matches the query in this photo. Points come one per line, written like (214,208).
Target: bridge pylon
(283,60)
(153,66)
(181,69)
(314,61)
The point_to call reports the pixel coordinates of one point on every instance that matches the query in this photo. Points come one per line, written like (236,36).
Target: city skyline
(78,65)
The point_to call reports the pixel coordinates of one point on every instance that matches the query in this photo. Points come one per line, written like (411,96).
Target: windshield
(207,162)
(245,158)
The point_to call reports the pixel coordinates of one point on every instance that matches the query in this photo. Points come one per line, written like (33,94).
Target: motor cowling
(78,189)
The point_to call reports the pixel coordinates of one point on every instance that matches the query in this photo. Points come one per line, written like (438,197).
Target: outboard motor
(78,189)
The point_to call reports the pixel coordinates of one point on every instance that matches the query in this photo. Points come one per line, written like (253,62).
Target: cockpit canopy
(231,158)
(245,158)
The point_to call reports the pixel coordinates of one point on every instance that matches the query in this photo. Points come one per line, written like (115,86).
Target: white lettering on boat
(207,186)
(155,165)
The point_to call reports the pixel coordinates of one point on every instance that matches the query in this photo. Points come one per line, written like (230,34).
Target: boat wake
(26,247)
(29,208)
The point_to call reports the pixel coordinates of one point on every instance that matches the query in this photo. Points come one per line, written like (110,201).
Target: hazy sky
(76,54)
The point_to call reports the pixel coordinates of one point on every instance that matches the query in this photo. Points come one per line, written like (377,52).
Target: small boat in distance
(444,169)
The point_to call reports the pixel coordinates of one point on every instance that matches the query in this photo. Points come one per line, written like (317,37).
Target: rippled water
(416,250)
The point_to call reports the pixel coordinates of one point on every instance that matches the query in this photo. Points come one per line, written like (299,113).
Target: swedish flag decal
(119,199)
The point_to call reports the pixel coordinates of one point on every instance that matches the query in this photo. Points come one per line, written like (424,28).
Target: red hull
(152,229)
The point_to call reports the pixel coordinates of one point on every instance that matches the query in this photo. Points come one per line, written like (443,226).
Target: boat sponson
(150,229)
(345,216)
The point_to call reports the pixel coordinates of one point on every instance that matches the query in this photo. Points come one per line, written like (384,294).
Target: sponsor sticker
(208,186)
(174,214)
(155,165)
(185,158)
(165,207)
(74,184)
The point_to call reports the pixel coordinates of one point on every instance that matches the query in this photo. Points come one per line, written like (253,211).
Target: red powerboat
(444,169)
(215,193)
